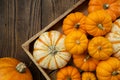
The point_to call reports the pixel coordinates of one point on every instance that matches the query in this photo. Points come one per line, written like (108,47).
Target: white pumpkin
(49,50)
(114,37)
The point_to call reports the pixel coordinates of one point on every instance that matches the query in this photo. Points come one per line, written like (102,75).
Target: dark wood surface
(21,19)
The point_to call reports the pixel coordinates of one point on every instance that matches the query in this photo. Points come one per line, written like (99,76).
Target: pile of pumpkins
(92,41)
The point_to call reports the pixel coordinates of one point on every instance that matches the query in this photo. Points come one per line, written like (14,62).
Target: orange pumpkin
(76,42)
(85,62)
(108,69)
(100,48)
(68,73)
(88,76)
(13,69)
(49,50)
(112,7)
(98,23)
(74,21)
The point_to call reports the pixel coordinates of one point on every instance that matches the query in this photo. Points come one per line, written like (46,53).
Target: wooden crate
(55,25)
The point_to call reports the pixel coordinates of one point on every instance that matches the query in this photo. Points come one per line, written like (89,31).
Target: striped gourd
(114,37)
(49,50)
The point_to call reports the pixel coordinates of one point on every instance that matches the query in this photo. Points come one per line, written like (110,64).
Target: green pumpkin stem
(106,6)
(114,73)
(53,50)
(101,26)
(77,25)
(21,67)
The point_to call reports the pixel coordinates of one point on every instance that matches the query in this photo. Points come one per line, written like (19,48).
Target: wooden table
(21,19)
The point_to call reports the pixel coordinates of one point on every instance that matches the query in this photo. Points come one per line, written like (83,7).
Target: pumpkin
(76,42)
(68,73)
(98,23)
(108,69)
(13,69)
(49,50)
(85,62)
(74,21)
(114,38)
(112,7)
(88,76)
(100,48)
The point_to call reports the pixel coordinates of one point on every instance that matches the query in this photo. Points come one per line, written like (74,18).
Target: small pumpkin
(98,23)
(76,42)
(114,38)
(85,62)
(13,69)
(68,73)
(74,21)
(88,76)
(100,48)
(108,69)
(112,7)
(49,50)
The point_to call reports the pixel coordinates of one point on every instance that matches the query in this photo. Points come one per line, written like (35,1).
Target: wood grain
(21,19)
(54,9)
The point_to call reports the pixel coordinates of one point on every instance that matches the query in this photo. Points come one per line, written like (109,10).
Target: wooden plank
(28,21)
(6,28)
(35,17)
(19,20)
(51,9)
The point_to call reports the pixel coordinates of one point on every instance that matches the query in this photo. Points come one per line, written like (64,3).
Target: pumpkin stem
(106,6)
(86,58)
(88,79)
(114,73)
(53,50)
(21,67)
(69,78)
(77,25)
(77,41)
(101,26)
(99,48)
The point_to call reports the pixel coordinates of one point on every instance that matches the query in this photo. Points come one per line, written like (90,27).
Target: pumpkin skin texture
(76,42)
(13,69)
(100,48)
(74,21)
(49,50)
(112,7)
(68,73)
(114,38)
(88,76)
(108,69)
(85,62)
(98,23)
